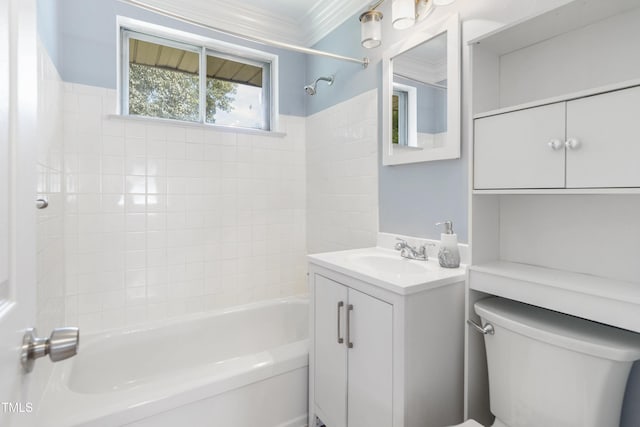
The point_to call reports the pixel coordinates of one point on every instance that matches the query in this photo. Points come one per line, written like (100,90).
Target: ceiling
(301,22)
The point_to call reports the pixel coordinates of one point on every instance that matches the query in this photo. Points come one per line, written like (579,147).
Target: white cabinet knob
(572,144)
(555,144)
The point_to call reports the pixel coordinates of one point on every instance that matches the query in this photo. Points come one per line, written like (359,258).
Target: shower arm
(267,42)
(324,79)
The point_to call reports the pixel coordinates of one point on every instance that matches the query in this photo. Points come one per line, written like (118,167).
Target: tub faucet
(410,252)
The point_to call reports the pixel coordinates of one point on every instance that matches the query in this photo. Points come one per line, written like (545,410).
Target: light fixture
(371,28)
(404,14)
(424,8)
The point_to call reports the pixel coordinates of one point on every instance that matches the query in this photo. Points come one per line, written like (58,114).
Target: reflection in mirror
(422,73)
(421,93)
(403,115)
(399,117)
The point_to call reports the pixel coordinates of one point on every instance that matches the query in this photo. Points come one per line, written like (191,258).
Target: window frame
(203,46)
(266,77)
(411,114)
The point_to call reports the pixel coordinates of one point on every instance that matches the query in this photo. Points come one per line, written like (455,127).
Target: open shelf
(551,23)
(608,190)
(600,299)
(561,98)
(524,64)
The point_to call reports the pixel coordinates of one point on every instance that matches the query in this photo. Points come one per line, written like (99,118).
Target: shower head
(311,88)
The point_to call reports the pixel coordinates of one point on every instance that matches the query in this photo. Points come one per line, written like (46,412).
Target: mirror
(421,92)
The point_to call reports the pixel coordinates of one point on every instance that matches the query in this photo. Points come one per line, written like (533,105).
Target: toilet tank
(552,369)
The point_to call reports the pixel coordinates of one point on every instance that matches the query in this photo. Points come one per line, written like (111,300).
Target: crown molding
(326,16)
(318,21)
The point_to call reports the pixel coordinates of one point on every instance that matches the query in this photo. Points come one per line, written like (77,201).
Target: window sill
(207,126)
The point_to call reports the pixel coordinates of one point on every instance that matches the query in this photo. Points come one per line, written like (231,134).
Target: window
(201,81)
(399,117)
(404,116)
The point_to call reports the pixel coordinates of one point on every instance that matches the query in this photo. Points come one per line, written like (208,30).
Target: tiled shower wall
(50,221)
(50,274)
(163,219)
(342,175)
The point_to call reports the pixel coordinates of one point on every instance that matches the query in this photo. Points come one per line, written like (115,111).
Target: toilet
(551,369)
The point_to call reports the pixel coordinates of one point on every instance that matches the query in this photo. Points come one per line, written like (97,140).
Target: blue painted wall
(351,79)
(83,38)
(412,197)
(47,17)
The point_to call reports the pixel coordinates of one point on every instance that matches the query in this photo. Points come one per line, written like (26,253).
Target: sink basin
(395,265)
(385,268)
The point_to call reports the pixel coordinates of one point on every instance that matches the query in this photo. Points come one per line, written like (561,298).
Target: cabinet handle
(555,144)
(340,305)
(572,143)
(349,310)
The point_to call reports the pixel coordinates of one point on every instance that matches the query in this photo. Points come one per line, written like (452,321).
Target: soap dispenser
(449,254)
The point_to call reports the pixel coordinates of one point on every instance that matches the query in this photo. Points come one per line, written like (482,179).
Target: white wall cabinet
(512,150)
(589,142)
(606,129)
(381,359)
(563,73)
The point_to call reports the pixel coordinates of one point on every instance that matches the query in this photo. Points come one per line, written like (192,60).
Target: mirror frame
(425,32)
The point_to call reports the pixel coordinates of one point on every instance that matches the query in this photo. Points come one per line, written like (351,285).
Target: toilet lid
(469,423)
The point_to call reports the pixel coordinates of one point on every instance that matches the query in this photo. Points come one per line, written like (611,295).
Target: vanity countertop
(386,269)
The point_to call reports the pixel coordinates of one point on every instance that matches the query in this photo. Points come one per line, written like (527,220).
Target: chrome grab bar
(487,329)
(349,310)
(340,305)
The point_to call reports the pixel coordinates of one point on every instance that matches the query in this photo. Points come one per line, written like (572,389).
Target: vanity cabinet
(353,336)
(384,358)
(588,142)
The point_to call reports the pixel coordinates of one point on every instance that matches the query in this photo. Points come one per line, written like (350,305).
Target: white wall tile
(198,219)
(163,220)
(50,233)
(342,176)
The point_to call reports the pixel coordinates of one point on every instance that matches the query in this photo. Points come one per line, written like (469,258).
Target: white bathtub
(245,366)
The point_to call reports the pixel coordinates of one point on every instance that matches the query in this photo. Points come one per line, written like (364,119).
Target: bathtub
(244,366)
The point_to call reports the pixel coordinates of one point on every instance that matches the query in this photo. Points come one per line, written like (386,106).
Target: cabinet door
(606,129)
(370,393)
(330,356)
(512,150)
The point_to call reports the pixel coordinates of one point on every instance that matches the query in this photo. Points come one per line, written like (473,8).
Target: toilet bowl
(551,369)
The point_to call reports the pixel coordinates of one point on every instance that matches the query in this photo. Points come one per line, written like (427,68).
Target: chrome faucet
(410,252)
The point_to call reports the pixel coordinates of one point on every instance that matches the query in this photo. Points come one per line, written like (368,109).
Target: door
(330,378)
(606,134)
(521,149)
(18,109)
(370,393)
